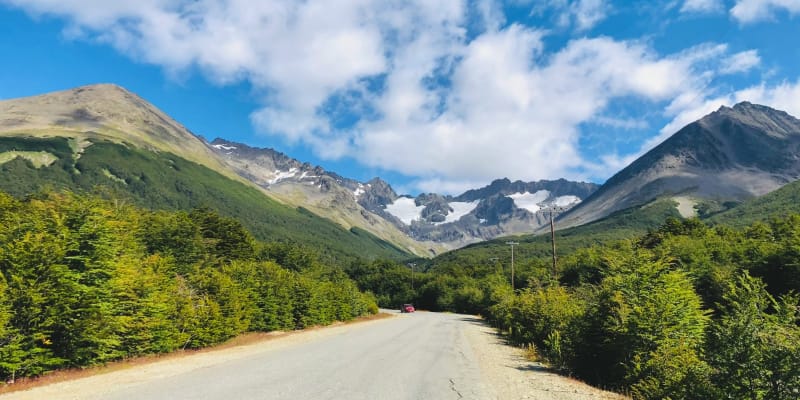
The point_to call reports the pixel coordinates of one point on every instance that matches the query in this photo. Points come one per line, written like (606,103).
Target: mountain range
(107,116)
(434,220)
(105,136)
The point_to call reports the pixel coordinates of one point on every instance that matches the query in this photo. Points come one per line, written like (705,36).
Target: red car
(407,308)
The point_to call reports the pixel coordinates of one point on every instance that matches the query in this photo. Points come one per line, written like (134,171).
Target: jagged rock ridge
(434,221)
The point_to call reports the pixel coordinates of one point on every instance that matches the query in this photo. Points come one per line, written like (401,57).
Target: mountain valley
(727,157)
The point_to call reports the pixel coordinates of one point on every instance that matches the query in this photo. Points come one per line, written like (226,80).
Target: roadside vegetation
(685,311)
(84,281)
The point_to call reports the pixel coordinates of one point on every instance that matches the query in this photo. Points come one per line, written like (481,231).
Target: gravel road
(413,356)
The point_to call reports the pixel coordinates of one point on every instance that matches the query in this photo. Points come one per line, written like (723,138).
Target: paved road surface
(414,356)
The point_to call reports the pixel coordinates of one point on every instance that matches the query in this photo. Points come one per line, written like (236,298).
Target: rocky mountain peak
(732,154)
(769,121)
(376,194)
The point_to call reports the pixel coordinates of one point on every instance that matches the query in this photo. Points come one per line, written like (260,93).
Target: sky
(433,96)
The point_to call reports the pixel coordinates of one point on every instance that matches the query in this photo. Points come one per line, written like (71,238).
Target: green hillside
(166,181)
(624,224)
(779,203)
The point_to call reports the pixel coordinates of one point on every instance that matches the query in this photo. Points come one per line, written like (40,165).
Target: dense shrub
(85,281)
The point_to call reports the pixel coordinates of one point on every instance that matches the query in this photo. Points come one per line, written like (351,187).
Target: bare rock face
(377,194)
(732,154)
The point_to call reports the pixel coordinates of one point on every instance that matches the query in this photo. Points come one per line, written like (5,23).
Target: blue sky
(432,96)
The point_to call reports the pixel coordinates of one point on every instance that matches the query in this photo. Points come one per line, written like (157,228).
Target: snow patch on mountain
(460,209)
(281,175)
(405,209)
(530,201)
(564,201)
(223,147)
(359,191)
(305,175)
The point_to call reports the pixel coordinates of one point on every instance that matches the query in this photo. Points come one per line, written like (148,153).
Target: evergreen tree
(755,354)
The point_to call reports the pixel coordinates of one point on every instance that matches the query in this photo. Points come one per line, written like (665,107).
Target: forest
(684,311)
(85,281)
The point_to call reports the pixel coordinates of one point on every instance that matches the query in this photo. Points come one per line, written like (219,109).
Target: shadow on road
(536,367)
(474,320)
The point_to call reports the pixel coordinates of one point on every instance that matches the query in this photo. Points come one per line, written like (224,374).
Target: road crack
(453,388)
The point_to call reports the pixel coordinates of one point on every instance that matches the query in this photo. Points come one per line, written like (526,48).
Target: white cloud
(749,11)
(581,14)
(701,6)
(440,185)
(453,112)
(513,110)
(620,123)
(740,62)
(588,13)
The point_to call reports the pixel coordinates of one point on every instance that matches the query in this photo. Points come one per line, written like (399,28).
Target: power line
(412,265)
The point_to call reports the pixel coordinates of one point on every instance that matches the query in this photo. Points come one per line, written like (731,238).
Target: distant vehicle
(407,308)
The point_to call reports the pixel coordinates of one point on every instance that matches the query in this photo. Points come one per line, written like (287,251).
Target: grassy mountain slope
(105,112)
(779,203)
(160,180)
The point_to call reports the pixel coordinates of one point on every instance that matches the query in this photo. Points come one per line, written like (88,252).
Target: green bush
(755,353)
(84,281)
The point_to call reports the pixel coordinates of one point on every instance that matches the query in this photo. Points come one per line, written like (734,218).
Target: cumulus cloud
(513,109)
(421,97)
(701,6)
(749,11)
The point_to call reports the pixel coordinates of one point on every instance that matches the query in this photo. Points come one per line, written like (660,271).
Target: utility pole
(512,244)
(553,241)
(412,265)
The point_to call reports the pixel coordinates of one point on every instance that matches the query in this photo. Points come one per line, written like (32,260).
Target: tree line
(84,281)
(687,311)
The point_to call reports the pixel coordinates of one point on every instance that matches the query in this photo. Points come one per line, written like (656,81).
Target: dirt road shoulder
(512,377)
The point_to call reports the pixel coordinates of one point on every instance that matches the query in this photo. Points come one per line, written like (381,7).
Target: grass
(776,204)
